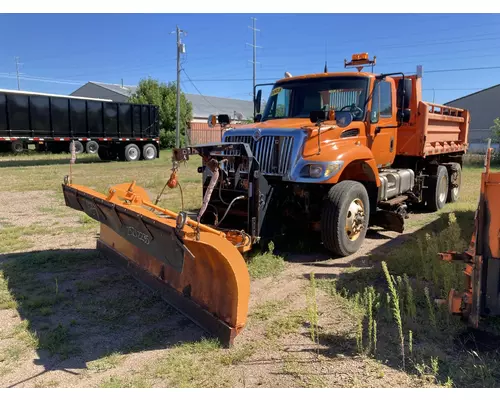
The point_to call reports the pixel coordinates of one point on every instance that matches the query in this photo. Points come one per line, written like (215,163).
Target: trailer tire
(132,152)
(17,146)
(437,189)
(149,151)
(455,173)
(79,149)
(347,206)
(92,147)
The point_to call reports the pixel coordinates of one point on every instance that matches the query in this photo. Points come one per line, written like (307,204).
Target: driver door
(383,142)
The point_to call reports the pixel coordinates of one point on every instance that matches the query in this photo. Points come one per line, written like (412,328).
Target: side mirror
(223,119)
(404,93)
(257,102)
(405,115)
(374,116)
(257,118)
(317,116)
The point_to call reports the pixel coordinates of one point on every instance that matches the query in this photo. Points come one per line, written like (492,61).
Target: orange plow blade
(481,296)
(197,269)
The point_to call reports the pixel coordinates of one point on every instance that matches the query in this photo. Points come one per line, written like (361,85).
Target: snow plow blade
(481,297)
(197,269)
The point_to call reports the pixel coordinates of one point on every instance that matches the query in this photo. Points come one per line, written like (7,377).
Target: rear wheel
(437,189)
(344,219)
(455,182)
(92,147)
(132,152)
(79,149)
(17,146)
(149,151)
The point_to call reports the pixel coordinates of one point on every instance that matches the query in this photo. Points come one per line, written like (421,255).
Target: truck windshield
(296,99)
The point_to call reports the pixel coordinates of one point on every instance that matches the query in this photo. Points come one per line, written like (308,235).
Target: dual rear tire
(443,187)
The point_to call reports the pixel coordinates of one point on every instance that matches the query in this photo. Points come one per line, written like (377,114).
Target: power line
(17,73)
(201,94)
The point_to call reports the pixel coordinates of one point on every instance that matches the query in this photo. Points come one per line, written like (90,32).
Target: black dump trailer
(124,131)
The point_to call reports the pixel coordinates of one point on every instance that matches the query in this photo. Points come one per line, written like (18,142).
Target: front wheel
(344,219)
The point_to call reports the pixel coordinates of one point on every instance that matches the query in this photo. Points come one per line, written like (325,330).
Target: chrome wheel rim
(355,219)
(150,152)
(133,153)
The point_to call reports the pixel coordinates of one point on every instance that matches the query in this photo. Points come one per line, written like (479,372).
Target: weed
(448,383)
(435,365)
(430,307)
(86,220)
(359,335)
(410,341)
(266,264)
(396,312)
(374,337)
(411,309)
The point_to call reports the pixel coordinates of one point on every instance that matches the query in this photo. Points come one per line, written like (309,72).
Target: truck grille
(274,153)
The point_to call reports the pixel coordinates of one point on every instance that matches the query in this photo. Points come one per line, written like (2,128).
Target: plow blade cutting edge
(194,267)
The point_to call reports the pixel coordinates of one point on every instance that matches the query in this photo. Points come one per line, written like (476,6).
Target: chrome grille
(274,153)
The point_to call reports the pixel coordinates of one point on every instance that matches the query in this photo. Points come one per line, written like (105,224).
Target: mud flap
(389,220)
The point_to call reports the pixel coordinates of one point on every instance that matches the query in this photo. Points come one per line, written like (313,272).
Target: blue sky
(74,49)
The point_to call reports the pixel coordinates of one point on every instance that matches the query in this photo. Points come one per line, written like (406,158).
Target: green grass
(117,382)
(285,325)
(266,264)
(105,363)
(13,238)
(267,310)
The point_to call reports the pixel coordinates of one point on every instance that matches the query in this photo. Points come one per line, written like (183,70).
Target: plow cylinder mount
(194,267)
(481,296)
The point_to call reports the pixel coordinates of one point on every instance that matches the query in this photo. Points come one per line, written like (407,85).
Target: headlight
(321,170)
(315,171)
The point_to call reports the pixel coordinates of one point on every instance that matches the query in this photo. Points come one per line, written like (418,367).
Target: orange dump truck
(341,151)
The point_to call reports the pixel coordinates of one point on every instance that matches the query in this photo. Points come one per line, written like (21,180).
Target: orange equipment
(482,259)
(197,269)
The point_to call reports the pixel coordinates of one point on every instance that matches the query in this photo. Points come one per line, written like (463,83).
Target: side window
(382,99)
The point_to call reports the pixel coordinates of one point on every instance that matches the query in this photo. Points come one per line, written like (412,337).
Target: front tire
(344,219)
(437,189)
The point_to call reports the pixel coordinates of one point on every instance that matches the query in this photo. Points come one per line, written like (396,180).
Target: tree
(163,95)
(495,129)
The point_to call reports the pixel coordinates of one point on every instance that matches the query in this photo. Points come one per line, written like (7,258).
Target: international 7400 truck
(339,152)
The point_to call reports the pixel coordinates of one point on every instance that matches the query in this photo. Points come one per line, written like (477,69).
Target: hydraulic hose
(229,207)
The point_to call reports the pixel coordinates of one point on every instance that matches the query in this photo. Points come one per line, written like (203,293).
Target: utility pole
(180,50)
(254,61)
(17,73)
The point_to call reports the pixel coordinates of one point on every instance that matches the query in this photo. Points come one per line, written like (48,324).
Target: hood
(293,123)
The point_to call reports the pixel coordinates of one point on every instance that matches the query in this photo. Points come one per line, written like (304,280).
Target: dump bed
(433,128)
(28,115)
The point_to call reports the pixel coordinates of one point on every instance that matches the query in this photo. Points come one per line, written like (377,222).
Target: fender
(358,159)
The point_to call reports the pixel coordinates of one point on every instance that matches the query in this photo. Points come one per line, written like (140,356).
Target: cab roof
(326,75)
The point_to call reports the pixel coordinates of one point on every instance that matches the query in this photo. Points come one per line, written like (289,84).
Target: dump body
(52,121)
